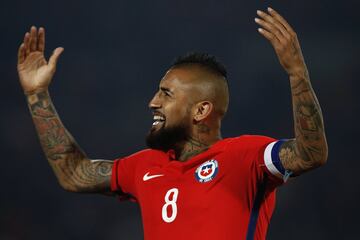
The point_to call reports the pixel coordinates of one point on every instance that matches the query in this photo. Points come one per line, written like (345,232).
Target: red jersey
(226,192)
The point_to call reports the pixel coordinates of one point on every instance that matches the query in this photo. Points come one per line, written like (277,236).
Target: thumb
(55,56)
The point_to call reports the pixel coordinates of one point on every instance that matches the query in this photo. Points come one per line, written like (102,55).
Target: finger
(269,36)
(27,44)
(21,53)
(55,56)
(268,27)
(279,18)
(277,28)
(41,39)
(33,39)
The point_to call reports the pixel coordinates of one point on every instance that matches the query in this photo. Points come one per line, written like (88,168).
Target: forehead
(179,78)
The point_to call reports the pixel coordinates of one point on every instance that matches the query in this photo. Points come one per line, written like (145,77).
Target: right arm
(73,169)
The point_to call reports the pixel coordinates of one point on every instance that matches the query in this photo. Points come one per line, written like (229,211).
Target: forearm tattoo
(309,148)
(73,169)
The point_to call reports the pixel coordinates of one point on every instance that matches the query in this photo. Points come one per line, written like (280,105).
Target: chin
(166,138)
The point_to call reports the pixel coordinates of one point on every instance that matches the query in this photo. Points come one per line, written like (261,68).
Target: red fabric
(216,209)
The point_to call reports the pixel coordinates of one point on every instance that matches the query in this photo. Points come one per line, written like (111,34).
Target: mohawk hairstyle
(203,59)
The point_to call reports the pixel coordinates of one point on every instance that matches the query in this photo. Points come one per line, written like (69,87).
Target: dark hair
(204,60)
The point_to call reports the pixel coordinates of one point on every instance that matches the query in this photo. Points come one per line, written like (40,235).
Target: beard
(165,139)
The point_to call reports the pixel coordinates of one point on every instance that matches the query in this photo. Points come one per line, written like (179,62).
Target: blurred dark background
(115,54)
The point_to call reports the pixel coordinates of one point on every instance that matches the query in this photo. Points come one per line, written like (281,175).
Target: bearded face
(166,138)
(172,111)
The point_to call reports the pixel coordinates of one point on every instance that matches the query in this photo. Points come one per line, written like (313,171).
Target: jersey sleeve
(123,175)
(272,162)
(262,155)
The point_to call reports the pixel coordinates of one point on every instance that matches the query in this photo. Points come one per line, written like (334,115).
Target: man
(191,183)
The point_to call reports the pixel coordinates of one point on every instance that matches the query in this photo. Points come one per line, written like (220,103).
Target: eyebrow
(164,89)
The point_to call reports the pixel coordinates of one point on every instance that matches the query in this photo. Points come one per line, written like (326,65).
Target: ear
(202,110)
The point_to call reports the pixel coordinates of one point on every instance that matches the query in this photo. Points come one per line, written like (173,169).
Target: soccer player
(191,183)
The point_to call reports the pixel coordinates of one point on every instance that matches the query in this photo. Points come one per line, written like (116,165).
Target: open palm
(34,71)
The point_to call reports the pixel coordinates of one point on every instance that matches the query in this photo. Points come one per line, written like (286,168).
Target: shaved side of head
(208,77)
(207,86)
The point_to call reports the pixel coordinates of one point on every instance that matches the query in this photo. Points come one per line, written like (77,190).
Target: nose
(155,102)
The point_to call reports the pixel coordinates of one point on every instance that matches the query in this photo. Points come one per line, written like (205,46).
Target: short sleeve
(272,160)
(261,154)
(123,175)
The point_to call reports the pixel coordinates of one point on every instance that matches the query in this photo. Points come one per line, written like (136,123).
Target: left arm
(309,148)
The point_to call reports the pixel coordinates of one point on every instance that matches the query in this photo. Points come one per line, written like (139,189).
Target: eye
(166,92)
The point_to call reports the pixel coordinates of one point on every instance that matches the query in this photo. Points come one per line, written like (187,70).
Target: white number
(171,203)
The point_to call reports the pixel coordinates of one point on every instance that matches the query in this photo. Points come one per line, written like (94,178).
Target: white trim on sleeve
(269,161)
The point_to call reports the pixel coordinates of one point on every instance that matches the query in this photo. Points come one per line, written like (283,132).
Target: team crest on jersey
(207,171)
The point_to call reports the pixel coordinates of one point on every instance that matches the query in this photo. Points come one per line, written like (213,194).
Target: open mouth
(158,118)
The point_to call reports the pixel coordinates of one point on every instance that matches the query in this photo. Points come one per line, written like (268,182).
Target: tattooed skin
(73,169)
(309,148)
(192,147)
(195,146)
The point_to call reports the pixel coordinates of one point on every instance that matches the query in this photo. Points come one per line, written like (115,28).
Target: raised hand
(308,149)
(34,71)
(284,40)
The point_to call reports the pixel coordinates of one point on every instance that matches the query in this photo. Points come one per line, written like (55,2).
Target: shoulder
(245,146)
(145,153)
(248,141)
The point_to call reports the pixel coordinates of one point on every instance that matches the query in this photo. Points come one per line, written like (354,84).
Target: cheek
(185,115)
(179,113)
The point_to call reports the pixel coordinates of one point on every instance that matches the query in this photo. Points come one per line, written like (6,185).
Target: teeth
(158,118)
(156,123)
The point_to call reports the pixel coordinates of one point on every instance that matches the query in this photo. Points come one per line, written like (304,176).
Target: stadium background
(115,54)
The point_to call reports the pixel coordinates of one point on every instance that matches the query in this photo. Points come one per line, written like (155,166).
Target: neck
(191,148)
(201,141)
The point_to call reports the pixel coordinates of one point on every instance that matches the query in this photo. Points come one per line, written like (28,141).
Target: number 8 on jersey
(170,203)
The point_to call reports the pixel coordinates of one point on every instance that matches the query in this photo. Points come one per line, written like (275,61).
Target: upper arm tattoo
(93,176)
(290,157)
